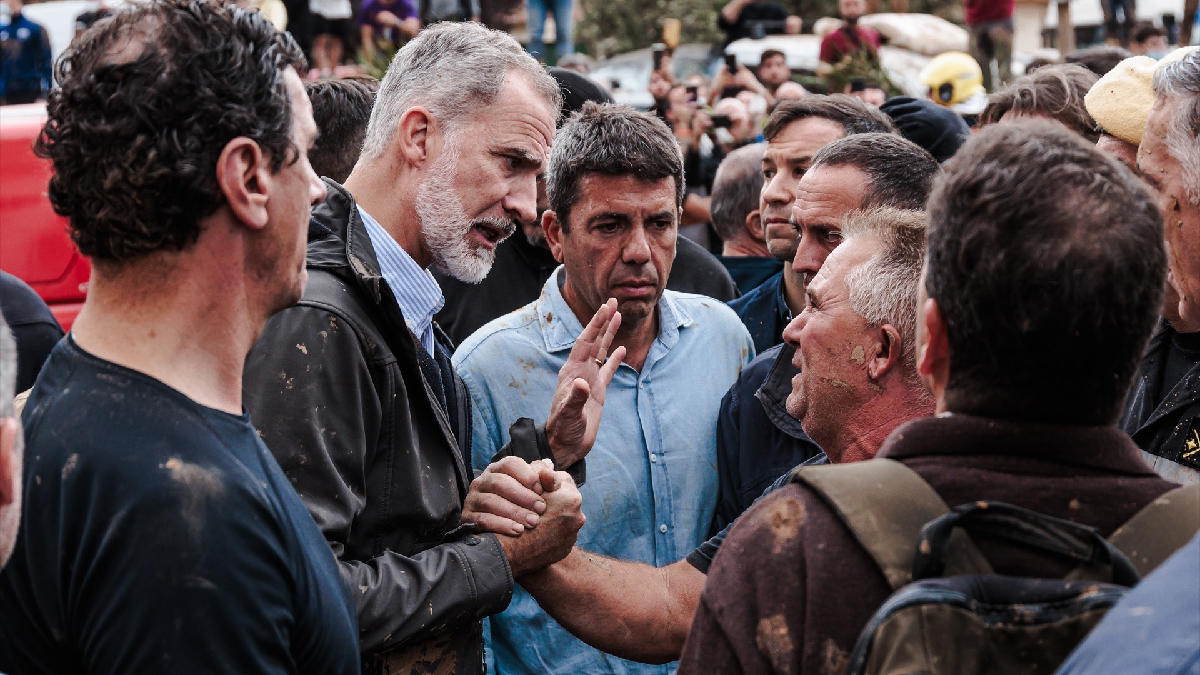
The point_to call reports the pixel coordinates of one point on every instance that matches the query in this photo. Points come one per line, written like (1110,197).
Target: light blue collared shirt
(416,291)
(651,476)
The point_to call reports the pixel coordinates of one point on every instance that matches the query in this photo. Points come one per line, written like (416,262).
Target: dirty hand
(507,497)
(555,534)
(582,382)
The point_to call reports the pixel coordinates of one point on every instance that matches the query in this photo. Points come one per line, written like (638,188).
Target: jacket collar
(560,327)
(1105,448)
(775,389)
(337,238)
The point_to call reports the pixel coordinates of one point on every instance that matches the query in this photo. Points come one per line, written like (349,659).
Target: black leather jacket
(351,405)
(1168,433)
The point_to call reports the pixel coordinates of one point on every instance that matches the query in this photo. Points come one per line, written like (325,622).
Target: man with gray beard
(353,390)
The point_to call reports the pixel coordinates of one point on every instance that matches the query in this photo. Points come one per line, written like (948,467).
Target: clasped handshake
(535,510)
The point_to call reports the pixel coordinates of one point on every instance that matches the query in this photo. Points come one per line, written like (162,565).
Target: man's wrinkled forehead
(831,191)
(802,139)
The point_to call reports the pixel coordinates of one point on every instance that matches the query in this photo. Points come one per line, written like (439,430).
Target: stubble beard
(817,418)
(446,226)
(784,252)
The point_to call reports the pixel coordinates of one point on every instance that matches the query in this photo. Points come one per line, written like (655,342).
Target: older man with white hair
(353,389)
(1169,159)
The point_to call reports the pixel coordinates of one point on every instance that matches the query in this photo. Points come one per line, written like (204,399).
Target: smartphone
(659,50)
(721,121)
(693,93)
(731,63)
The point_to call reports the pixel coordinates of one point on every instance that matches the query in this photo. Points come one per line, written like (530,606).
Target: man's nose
(791,332)
(521,201)
(809,257)
(776,191)
(316,189)
(637,247)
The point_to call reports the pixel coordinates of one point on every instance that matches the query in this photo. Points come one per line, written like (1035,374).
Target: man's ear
(9,428)
(244,176)
(886,352)
(933,352)
(554,233)
(754,226)
(413,134)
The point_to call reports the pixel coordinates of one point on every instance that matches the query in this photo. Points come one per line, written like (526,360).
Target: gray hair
(883,290)
(8,371)
(612,140)
(1182,79)
(736,190)
(901,173)
(454,70)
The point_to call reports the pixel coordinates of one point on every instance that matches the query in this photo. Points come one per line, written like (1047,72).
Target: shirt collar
(416,291)
(560,326)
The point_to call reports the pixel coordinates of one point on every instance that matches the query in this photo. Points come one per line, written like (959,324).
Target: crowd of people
(419,375)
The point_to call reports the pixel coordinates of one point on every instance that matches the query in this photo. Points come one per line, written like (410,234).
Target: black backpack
(950,614)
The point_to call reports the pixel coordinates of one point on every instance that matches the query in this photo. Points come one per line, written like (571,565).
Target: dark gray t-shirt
(160,536)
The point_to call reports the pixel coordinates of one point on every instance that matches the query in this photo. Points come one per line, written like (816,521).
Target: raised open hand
(582,383)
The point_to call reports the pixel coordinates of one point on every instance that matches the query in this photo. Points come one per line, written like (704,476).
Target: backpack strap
(885,504)
(1162,527)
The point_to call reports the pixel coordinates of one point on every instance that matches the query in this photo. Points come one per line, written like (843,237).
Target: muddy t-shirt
(160,536)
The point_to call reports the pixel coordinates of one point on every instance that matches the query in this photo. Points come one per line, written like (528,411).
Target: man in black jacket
(353,390)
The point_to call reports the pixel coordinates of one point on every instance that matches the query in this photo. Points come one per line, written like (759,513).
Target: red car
(34,244)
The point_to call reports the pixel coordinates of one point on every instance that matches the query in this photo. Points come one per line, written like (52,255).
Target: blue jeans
(563,23)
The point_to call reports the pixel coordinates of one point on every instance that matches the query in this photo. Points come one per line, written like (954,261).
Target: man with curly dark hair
(160,535)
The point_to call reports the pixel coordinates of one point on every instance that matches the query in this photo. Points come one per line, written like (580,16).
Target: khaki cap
(1121,100)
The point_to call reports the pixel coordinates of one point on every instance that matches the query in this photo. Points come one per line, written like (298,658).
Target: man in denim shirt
(615,185)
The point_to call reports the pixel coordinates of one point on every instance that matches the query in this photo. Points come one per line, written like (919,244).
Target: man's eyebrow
(609,215)
(524,156)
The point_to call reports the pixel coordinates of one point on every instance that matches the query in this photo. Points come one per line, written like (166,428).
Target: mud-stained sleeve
(751,614)
(310,393)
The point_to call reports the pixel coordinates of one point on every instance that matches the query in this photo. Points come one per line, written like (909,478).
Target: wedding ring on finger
(599,362)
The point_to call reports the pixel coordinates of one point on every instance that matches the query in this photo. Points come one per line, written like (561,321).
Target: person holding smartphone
(755,19)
